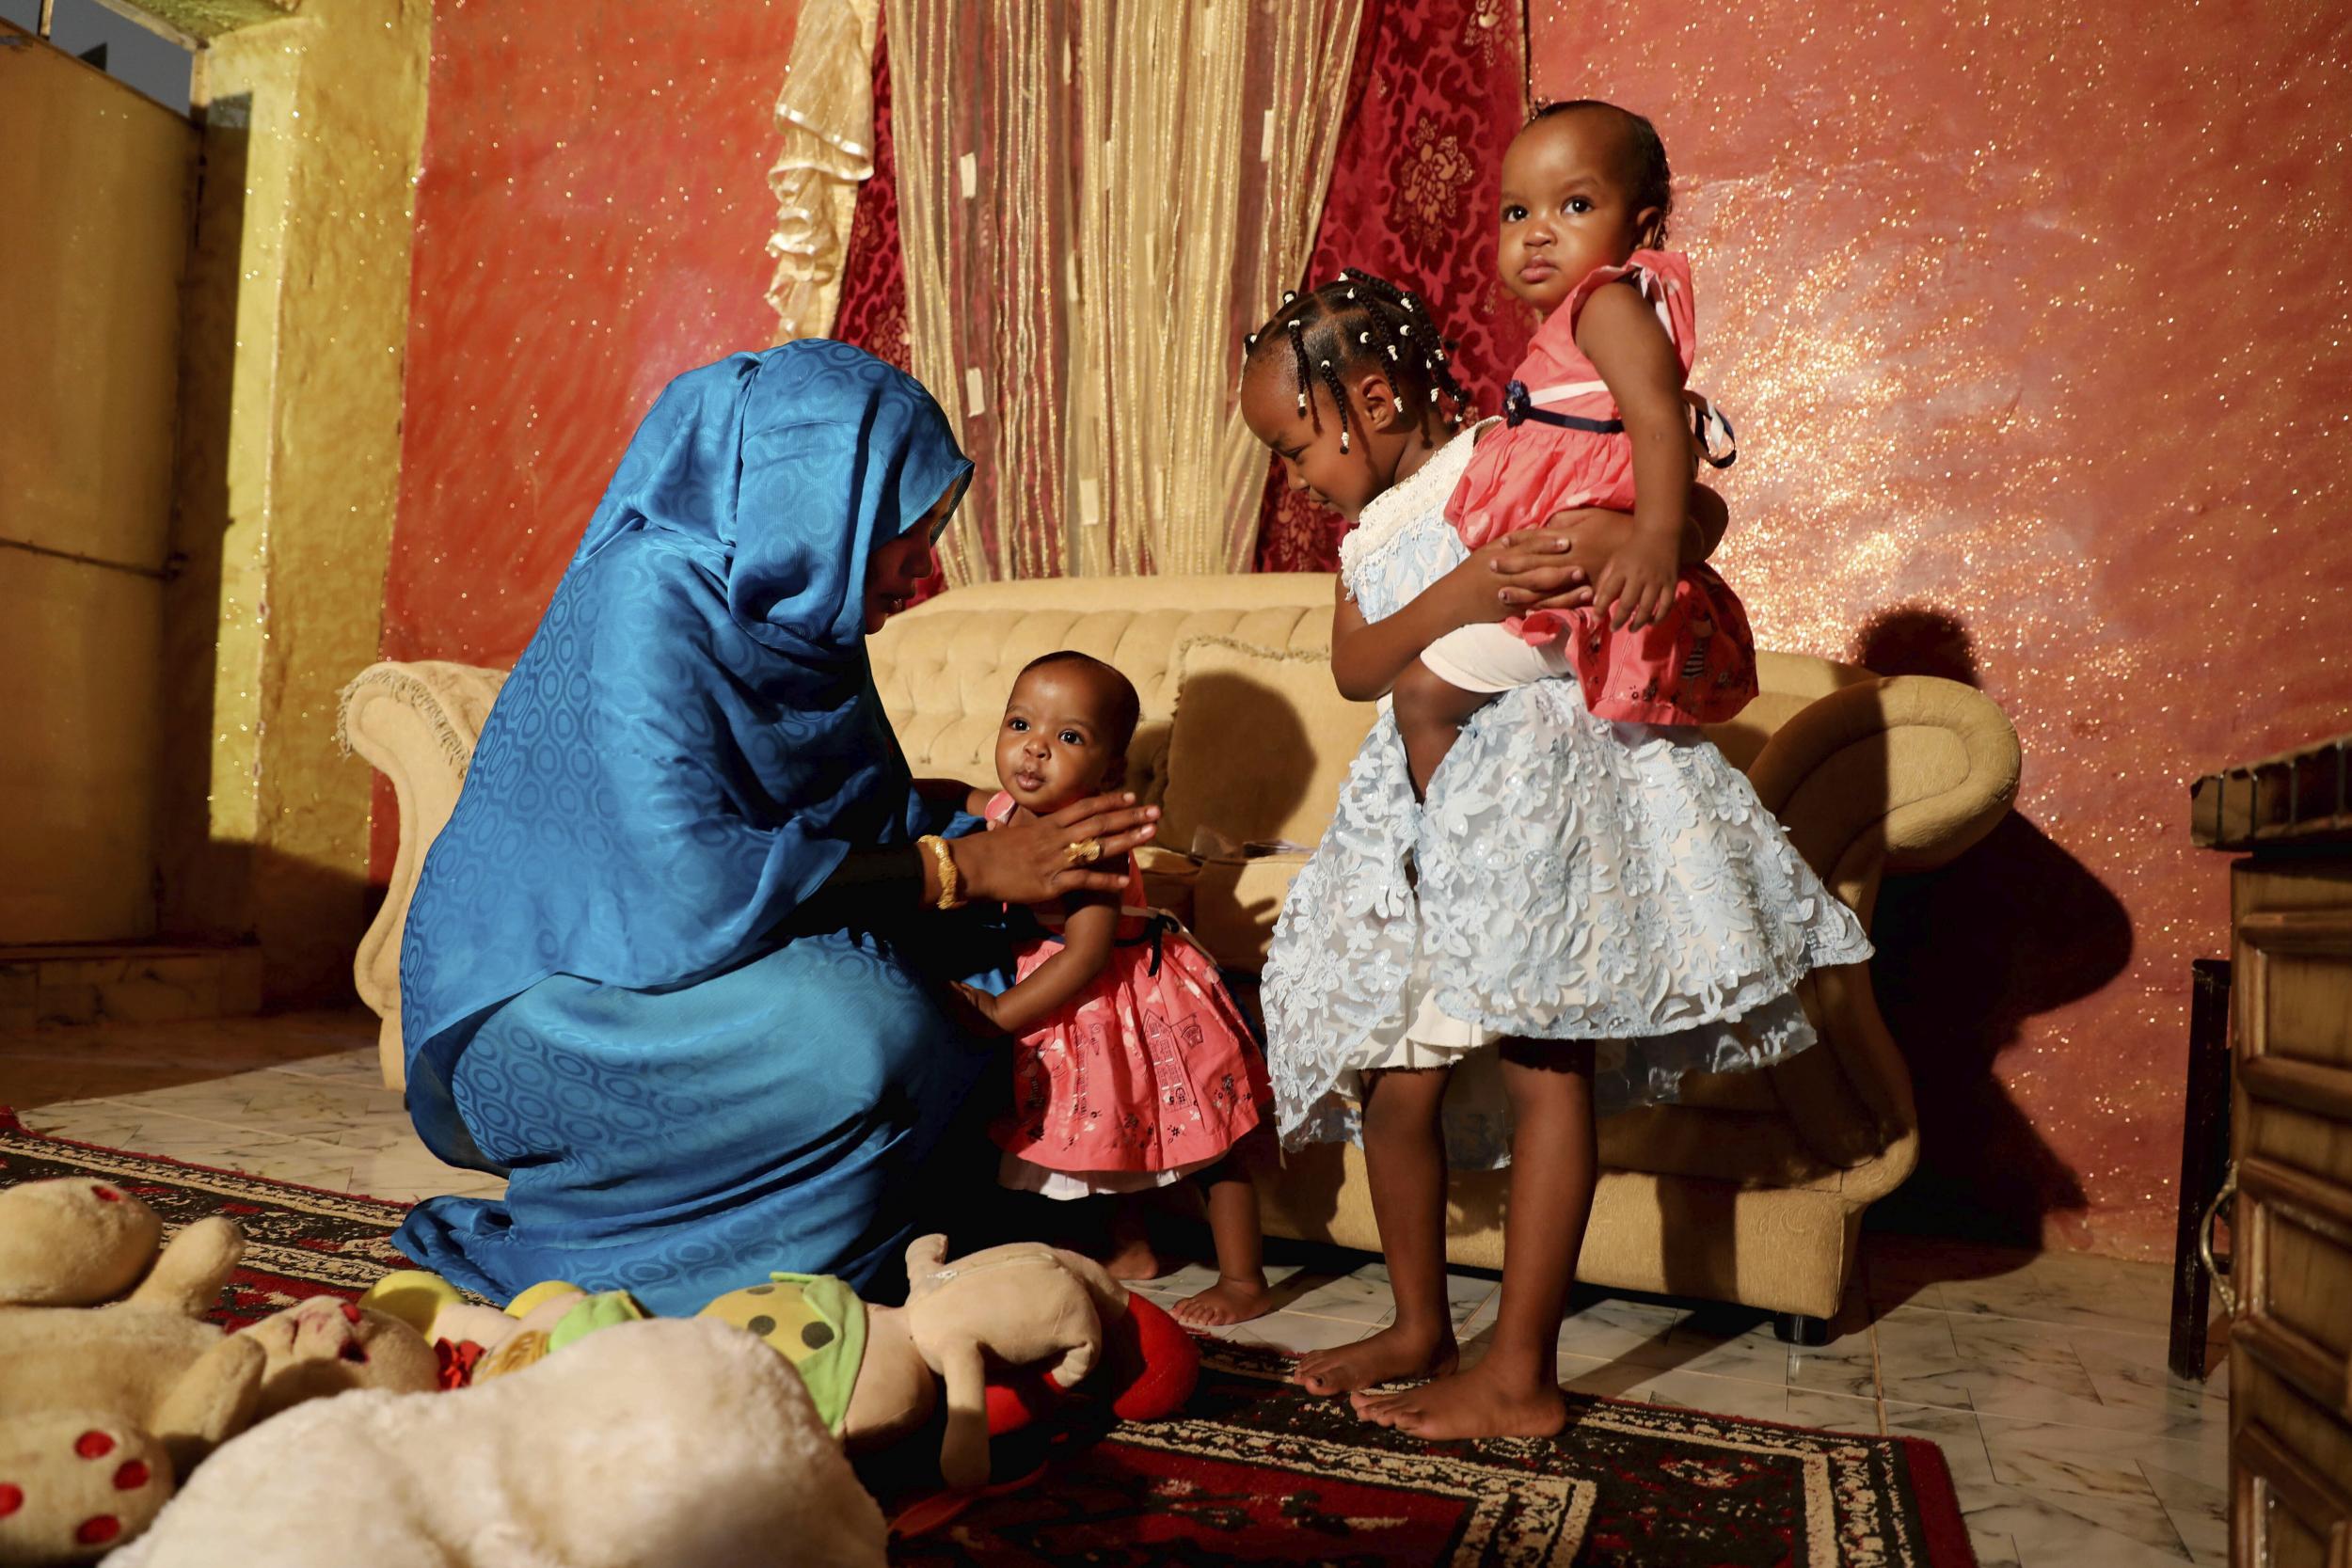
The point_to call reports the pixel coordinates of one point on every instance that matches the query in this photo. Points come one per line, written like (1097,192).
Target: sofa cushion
(1261,744)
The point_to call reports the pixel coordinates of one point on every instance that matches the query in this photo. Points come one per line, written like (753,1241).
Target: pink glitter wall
(2033,318)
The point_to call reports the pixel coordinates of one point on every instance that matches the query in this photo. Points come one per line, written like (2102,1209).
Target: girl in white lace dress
(1583,913)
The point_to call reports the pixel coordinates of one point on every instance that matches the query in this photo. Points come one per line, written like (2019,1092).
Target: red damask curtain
(1439,87)
(873,309)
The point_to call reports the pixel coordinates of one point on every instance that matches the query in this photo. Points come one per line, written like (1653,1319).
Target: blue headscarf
(691,742)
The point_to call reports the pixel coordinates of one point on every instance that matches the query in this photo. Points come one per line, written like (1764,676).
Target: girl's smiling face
(1311,458)
(1567,205)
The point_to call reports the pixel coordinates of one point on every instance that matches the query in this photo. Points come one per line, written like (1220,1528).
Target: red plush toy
(1150,1366)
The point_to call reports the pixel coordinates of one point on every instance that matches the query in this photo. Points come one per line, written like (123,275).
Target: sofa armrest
(1895,774)
(417,724)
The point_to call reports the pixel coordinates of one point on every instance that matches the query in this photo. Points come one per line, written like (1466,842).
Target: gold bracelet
(948,898)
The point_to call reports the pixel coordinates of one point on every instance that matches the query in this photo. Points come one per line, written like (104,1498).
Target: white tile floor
(2041,1376)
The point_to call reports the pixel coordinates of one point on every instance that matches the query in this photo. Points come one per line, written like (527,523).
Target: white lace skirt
(1569,878)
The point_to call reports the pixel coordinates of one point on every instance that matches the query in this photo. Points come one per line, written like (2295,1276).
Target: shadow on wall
(204,886)
(2014,927)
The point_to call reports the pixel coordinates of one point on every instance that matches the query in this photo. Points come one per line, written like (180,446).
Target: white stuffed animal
(662,1441)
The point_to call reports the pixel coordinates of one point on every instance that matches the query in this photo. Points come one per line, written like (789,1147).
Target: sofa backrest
(945,666)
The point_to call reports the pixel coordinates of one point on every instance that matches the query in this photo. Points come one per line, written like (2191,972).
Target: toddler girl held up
(1131,1068)
(1597,415)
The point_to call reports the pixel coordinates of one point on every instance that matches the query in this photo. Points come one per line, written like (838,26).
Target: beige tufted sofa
(1751,1193)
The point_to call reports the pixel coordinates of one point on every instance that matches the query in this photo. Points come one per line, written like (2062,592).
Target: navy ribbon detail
(1519,409)
(1153,929)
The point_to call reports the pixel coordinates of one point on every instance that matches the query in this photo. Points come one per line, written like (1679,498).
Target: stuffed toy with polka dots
(112,1385)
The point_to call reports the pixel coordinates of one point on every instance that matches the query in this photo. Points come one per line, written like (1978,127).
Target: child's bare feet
(1133,1258)
(1228,1301)
(1395,1352)
(1480,1402)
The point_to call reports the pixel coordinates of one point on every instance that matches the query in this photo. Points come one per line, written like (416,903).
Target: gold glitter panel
(2033,320)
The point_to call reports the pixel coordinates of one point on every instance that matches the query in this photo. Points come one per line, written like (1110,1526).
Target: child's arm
(970,800)
(1366,657)
(1366,660)
(1088,932)
(1621,336)
(1702,531)
(973,802)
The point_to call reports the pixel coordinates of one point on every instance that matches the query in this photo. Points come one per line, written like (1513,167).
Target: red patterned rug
(1255,1472)
(1259,1472)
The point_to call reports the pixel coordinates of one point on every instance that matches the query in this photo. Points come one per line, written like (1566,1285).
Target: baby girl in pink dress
(1689,661)
(1596,416)
(1132,1066)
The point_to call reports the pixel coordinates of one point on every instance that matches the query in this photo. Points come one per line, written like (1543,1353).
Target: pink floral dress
(1566,447)
(1146,1075)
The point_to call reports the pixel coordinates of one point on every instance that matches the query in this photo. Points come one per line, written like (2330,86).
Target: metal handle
(2221,1287)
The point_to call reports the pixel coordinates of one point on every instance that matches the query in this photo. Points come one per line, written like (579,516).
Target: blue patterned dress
(1569,878)
(620,987)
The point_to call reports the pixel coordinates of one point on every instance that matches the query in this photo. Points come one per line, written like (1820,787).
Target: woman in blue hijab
(677,966)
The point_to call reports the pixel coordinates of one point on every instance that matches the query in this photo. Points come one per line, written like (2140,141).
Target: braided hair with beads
(1357,322)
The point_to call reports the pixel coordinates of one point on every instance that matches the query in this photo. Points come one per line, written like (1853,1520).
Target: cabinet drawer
(2288,1461)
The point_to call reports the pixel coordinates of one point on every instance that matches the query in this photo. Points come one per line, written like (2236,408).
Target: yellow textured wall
(290,451)
(95,188)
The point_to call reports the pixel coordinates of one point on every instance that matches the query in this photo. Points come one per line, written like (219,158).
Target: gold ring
(1084,852)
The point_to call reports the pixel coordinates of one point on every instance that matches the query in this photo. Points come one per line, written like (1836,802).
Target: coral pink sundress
(1148,1074)
(1566,447)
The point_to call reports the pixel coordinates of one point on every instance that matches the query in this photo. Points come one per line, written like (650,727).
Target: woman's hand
(1029,862)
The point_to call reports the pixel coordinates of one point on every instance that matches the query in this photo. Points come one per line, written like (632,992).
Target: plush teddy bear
(994,1332)
(659,1441)
(104,1403)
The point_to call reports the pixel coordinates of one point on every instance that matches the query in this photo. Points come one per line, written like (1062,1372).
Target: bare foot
(1480,1402)
(1393,1352)
(1134,1258)
(1228,1301)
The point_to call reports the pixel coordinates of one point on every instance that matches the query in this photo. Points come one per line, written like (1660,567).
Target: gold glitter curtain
(826,115)
(1095,204)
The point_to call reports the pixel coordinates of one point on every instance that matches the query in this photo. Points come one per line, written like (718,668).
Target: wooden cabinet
(2290,1139)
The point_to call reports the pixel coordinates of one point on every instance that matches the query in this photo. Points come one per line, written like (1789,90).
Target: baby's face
(1057,745)
(1566,208)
